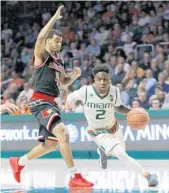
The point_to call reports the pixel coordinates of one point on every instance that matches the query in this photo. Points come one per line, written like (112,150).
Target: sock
(23,160)
(73,171)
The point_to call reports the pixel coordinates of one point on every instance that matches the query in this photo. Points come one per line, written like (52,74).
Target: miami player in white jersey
(100,101)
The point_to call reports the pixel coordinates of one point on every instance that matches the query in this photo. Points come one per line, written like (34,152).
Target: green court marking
(147,155)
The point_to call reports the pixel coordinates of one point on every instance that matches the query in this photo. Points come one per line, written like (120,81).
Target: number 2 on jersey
(100,114)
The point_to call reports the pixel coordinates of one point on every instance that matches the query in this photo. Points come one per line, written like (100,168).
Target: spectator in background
(7,98)
(155,105)
(119,74)
(104,34)
(73,50)
(126,66)
(139,71)
(86,69)
(76,63)
(62,98)
(155,68)
(16,79)
(68,35)
(95,35)
(109,53)
(83,81)
(124,95)
(146,61)
(112,24)
(93,48)
(26,93)
(83,51)
(166,102)
(162,82)
(142,96)
(136,103)
(26,55)
(160,61)
(23,106)
(6,31)
(129,45)
(150,81)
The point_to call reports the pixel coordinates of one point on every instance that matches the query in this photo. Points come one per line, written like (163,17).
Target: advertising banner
(20,133)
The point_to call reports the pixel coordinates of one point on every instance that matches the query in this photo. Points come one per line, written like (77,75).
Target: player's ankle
(23,160)
(73,171)
(146,174)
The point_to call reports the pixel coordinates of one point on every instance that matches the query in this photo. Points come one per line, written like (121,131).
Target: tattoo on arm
(122,109)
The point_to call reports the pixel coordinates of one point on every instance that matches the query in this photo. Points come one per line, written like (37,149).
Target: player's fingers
(14,108)
(9,110)
(60,7)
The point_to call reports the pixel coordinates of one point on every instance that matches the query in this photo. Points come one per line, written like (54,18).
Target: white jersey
(99,111)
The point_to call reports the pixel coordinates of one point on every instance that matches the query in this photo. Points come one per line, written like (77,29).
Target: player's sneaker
(152,180)
(79,181)
(16,168)
(102,158)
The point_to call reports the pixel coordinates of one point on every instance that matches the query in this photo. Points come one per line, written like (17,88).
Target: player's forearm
(67,80)
(123,109)
(46,29)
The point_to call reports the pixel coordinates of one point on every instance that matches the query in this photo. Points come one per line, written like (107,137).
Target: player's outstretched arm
(122,109)
(77,95)
(40,42)
(66,81)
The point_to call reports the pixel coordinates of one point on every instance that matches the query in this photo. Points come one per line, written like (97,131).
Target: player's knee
(65,138)
(50,145)
(119,152)
(61,133)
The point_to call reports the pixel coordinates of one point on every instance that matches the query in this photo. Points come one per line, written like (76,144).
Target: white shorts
(108,141)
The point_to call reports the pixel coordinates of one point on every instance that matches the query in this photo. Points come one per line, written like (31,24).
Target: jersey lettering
(100,105)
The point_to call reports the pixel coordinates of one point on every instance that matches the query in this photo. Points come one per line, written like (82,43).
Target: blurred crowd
(93,33)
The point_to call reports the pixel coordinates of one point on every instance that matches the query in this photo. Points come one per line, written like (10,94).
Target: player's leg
(63,138)
(62,134)
(120,153)
(38,151)
(18,164)
(102,158)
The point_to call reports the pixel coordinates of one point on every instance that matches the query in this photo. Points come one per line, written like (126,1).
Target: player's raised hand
(58,16)
(77,72)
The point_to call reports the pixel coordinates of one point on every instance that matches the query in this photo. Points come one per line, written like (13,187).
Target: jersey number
(100,114)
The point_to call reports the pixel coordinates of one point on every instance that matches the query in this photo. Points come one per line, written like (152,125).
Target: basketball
(137,118)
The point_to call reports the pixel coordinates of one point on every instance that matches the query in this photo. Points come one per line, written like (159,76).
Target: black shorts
(47,115)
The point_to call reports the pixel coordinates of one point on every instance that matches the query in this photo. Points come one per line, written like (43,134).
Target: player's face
(55,43)
(102,81)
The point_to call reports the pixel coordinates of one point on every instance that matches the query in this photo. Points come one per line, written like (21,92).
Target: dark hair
(52,32)
(136,99)
(101,68)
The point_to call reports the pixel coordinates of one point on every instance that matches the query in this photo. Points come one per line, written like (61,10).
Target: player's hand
(58,16)
(77,72)
(9,108)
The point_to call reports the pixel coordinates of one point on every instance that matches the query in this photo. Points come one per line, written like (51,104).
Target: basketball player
(100,101)
(49,72)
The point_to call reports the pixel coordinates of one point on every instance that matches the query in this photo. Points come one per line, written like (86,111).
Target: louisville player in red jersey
(49,73)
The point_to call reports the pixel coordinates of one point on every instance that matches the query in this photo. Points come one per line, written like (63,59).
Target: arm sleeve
(77,95)
(118,101)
